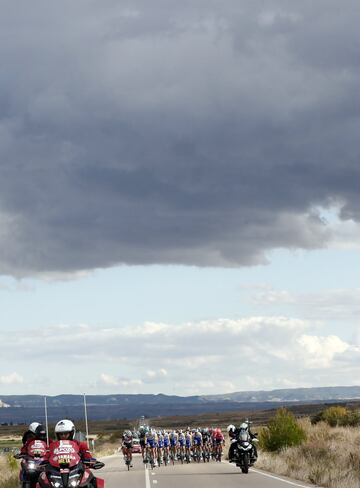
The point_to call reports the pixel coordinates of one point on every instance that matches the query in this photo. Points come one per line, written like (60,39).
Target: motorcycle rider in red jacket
(65,431)
(31,434)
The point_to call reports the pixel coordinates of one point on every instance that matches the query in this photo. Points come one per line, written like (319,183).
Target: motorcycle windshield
(64,453)
(244,436)
(37,449)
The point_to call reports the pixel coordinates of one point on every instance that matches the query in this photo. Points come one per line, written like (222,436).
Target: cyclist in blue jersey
(173,444)
(181,440)
(151,441)
(188,442)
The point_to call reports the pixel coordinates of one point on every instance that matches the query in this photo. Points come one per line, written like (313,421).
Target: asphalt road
(193,475)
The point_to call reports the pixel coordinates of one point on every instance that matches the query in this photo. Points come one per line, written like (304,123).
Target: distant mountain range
(26,408)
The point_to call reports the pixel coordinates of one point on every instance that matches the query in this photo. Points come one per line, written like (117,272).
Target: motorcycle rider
(35,432)
(65,431)
(30,434)
(233,435)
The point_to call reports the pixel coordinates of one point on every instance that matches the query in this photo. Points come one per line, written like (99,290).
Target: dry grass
(9,477)
(106,449)
(330,457)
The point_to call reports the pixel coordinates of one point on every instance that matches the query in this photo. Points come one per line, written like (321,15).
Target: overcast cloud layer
(201,132)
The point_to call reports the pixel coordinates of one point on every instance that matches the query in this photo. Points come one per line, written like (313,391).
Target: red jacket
(84,452)
(33,446)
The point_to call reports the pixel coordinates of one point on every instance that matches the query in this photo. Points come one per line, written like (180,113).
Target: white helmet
(244,426)
(231,428)
(33,426)
(65,426)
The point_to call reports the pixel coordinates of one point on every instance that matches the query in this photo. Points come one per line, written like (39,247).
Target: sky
(179,196)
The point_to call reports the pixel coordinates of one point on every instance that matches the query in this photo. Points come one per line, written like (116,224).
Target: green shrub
(338,416)
(335,416)
(353,418)
(282,431)
(12,463)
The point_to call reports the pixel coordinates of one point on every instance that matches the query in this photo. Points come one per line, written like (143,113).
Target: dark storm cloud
(202,133)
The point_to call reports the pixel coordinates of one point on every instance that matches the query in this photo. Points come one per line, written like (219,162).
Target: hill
(26,408)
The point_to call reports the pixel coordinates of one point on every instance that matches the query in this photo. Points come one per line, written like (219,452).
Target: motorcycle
(31,463)
(65,469)
(245,452)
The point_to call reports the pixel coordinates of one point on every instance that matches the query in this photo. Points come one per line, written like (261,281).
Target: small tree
(335,416)
(282,431)
(354,418)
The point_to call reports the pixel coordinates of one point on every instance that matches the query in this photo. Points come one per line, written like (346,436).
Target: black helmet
(40,432)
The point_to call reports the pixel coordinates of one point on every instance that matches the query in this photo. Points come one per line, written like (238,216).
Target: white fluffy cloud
(331,304)
(186,358)
(11,379)
(321,351)
(109,380)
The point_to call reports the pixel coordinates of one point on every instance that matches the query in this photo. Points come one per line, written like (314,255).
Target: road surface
(193,475)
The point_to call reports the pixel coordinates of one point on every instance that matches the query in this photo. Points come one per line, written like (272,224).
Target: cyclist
(151,441)
(126,446)
(181,439)
(160,446)
(219,442)
(142,438)
(188,442)
(206,442)
(166,444)
(197,442)
(173,444)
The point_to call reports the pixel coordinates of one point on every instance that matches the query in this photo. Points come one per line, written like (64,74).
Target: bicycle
(197,453)
(188,455)
(159,456)
(150,458)
(218,452)
(181,454)
(173,454)
(127,457)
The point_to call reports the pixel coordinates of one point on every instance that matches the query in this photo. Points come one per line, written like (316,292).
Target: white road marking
(153,474)
(155,482)
(147,478)
(279,479)
(270,476)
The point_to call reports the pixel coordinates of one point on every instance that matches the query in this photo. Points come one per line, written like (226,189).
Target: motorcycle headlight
(74,480)
(55,481)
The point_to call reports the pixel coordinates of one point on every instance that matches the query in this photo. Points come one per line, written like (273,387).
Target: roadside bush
(338,416)
(115,436)
(281,432)
(335,416)
(353,419)
(12,463)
